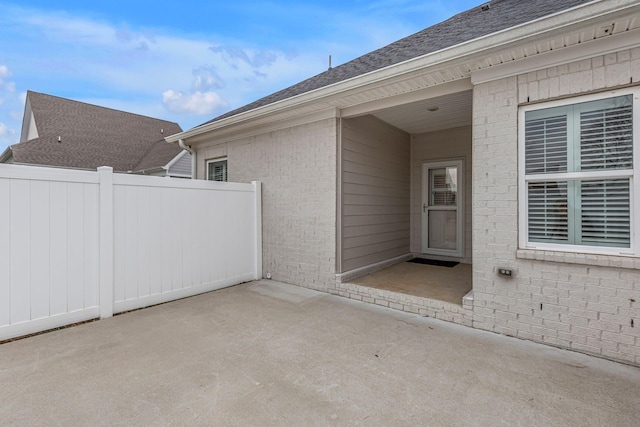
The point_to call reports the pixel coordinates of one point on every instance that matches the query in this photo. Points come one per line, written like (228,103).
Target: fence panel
(75,245)
(48,248)
(5,253)
(176,238)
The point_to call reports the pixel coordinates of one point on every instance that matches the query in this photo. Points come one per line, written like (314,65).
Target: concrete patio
(266,353)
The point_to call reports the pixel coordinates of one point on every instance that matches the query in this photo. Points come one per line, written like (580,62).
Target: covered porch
(405,193)
(432,291)
(437,282)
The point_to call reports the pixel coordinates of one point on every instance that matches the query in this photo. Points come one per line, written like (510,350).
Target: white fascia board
(601,46)
(472,48)
(147,171)
(6,155)
(229,134)
(27,120)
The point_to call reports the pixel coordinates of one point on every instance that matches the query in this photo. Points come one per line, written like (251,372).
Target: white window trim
(634,189)
(216,160)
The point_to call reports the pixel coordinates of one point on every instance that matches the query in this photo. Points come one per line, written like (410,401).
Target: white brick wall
(297,168)
(581,302)
(598,73)
(424,307)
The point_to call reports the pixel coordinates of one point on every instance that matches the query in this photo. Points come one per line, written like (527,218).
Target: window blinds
(217,171)
(585,137)
(546,145)
(605,213)
(606,138)
(548,212)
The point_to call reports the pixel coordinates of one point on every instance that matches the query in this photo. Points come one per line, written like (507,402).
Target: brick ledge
(631,263)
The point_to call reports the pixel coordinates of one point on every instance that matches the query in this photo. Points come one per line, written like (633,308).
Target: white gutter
(194,162)
(574,16)
(6,154)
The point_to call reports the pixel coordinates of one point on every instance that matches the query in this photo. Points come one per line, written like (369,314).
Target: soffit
(456,70)
(455,110)
(429,115)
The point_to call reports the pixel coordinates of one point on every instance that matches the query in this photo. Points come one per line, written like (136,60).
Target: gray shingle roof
(93,136)
(159,154)
(466,26)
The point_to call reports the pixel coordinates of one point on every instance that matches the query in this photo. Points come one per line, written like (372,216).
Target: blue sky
(187,62)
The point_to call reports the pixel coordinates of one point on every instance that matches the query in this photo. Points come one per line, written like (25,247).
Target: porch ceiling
(451,111)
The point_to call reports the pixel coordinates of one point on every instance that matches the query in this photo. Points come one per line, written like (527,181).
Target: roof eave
(554,22)
(147,171)
(6,155)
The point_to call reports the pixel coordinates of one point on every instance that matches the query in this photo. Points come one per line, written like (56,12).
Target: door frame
(460,230)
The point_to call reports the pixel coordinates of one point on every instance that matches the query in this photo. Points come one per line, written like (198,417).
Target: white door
(442,202)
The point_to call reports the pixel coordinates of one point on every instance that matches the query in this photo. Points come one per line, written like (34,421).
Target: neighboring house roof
(489,18)
(90,137)
(158,155)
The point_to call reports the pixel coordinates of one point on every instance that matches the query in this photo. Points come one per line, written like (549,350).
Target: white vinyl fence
(77,245)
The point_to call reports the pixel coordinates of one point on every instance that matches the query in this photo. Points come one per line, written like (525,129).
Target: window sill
(628,262)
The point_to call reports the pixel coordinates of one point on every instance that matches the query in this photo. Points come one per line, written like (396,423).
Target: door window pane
(444,186)
(443,229)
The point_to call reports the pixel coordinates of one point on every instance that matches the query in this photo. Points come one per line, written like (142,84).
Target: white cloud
(9,86)
(7,136)
(5,85)
(9,104)
(4,72)
(183,76)
(205,79)
(4,130)
(233,55)
(196,103)
(182,73)
(17,115)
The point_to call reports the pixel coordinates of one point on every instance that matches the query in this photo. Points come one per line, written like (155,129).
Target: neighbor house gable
(65,133)
(161,159)
(29,128)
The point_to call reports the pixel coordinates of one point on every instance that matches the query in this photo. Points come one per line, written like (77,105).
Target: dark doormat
(434,262)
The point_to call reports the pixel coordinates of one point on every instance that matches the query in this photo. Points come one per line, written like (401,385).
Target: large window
(217,170)
(577,174)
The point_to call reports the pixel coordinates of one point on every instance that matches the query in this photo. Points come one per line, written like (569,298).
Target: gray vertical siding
(375,192)
(182,166)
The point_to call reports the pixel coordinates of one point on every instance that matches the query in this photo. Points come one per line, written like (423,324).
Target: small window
(577,173)
(217,170)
